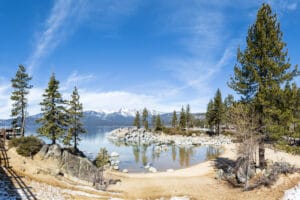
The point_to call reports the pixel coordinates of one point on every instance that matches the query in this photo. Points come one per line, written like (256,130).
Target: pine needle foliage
(75,113)
(54,120)
(263,67)
(21,86)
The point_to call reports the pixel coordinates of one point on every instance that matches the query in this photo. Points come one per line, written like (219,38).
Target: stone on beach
(152,169)
(114,154)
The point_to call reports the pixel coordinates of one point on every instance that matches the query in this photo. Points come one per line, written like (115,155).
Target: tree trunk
(75,142)
(53,139)
(23,124)
(261,154)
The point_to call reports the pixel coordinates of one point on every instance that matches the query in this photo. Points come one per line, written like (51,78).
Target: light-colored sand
(197,181)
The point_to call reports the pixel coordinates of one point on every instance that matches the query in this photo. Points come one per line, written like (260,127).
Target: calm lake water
(135,157)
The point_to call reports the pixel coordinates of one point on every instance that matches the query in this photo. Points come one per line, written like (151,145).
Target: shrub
(15,142)
(179,131)
(26,146)
(102,158)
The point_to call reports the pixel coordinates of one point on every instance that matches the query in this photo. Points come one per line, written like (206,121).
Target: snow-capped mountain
(121,117)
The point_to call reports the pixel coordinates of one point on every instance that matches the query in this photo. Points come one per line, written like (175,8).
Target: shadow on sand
(12,185)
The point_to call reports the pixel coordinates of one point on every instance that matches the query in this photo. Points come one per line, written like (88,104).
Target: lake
(134,157)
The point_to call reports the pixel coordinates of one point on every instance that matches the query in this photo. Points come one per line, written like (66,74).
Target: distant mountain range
(122,117)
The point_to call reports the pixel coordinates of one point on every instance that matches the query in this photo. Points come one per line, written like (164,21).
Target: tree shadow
(224,163)
(12,185)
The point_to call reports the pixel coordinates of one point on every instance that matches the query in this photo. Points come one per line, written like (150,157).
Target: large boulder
(54,151)
(70,164)
(79,167)
(43,151)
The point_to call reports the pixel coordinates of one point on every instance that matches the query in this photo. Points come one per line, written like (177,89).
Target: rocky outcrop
(142,136)
(72,165)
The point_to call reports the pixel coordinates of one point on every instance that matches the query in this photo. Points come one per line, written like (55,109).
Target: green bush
(26,146)
(284,146)
(102,158)
(179,131)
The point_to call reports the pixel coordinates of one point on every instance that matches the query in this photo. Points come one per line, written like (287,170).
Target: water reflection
(135,157)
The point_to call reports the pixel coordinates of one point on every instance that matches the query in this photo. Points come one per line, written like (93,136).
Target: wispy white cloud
(53,32)
(76,79)
(67,15)
(207,43)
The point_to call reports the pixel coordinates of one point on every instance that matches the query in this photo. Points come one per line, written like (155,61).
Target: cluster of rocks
(238,172)
(142,136)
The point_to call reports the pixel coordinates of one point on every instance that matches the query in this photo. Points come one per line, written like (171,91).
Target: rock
(79,167)
(116,167)
(125,171)
(114,154)
(152,169)
(219,174)
(43,150)
(54,151)
(258,171)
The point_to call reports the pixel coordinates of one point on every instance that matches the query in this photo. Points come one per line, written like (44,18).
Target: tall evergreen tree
(137,121)
(263,67)
(188,116)
(218,111)
(158,124)
(54,120)
(21,86)
(182,118)
(145,118)
(228,103)
(209,114)
(174,119)
(75,113)
(153,121)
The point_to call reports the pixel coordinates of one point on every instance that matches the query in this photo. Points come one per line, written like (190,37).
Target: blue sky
(131,53)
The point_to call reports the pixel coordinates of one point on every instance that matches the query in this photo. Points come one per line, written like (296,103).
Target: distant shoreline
(141,136)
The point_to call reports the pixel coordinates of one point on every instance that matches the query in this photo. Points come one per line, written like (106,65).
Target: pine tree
(145,119)
(188,116)
(54,120)
(21,86)
(209,114)
(158,124)
(228,103)
(182,118)
(263,67)
(137,121)
(153,121)
(174,119)
(75,113)
(290,116)
(218,111)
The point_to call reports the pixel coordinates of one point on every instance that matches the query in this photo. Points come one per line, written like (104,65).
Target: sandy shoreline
(196,182)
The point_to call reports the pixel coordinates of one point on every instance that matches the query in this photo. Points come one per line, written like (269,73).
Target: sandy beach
(195,182)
